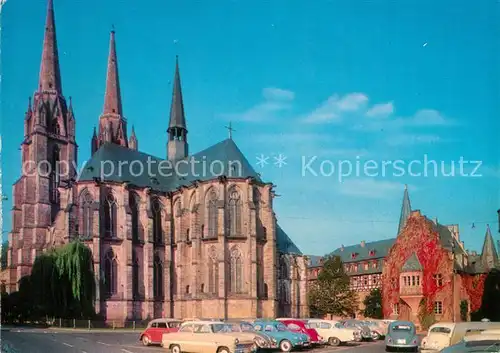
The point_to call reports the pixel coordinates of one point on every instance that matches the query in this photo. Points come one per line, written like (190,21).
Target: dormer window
(353,255)
(372,252)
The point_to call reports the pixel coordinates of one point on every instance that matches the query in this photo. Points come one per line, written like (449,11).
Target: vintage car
(378,329)
(479,342)
(207,337)
(334,332)
(261,339)
(156,328)
(401,335)
(446,334)
(301,326)
(286,339)
(366,333)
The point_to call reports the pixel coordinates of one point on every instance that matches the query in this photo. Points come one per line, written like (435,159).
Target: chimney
(342,247)
(363,243)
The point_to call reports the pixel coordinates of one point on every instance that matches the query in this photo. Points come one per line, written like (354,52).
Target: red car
(301,326)
(156,328)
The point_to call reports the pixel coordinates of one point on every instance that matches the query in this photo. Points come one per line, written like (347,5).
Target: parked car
(156,328)
(486,341)
(446,334)
(261,339)
(378,330)
(334,332)
(286,339)
(366,333)
(402,335)
(301,326)
(205,337)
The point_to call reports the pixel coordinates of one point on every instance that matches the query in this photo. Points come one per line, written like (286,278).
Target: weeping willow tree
(63,279)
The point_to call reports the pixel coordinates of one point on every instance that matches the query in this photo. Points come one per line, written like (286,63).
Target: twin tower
(112,123)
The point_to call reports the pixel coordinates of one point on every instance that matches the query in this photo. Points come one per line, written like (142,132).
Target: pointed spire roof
(412,264)
(405,210)
(177,118)
(112,99)
(489,255)
(50,75)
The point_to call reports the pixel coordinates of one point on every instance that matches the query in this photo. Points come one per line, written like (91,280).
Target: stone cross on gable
(230,129)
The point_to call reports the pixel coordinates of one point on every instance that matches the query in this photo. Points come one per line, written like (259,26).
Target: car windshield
(307,325)
(406,328)
(281,327)
(483,346)
(221,328)
(247,327)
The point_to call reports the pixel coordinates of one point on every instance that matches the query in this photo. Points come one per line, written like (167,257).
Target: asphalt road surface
(53,341)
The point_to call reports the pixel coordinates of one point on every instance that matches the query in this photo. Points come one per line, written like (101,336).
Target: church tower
(177,146)
(112,124)
(405,210)
(49,156)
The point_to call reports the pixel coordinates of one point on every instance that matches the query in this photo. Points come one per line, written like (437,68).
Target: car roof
(201,322)
(266,321)
(166,320)
(483,337)
(408,323)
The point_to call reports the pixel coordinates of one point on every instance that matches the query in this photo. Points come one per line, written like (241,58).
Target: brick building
(192,235)
(427,260)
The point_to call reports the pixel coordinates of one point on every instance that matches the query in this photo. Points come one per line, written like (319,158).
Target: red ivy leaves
(474,286)
(419,236)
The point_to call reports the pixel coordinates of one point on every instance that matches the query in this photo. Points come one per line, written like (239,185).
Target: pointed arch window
(110,273)
(285,293)
(284,270)
(157,226)
(236,271)
(86,213)
(212,214)
(110,216)
(54,175)
(135,275)
(234,214)
(213,272)
(157,277)
(56,129)
(133,201)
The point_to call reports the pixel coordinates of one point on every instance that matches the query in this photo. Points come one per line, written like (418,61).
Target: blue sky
(339,80)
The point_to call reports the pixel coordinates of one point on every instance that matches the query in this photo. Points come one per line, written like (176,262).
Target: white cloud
(276,100)
(331,110)
(370,188)
(381,110)
(278,94)
(411,139)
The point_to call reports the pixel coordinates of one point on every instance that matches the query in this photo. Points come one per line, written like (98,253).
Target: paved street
(54,341)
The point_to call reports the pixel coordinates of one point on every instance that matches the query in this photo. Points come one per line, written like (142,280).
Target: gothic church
(190,244)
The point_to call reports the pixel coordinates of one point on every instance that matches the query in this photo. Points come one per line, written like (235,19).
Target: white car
(334,332)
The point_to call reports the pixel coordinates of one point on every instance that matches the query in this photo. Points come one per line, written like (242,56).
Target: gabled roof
(380,247)
(489,255)
(405,210)
(284,244)
(223,158)
(412,264)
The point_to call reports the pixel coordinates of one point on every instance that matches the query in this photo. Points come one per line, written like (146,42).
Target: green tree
(373,305)
(331,293)
(426,316)
(464,310)
(490,303)
(3,254)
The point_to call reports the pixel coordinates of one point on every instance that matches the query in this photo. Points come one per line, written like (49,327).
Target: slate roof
(159,174)
(381,248)
(412,264)
(314,260)
(405,210)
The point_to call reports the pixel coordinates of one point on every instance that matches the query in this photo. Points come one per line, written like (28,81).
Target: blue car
(401,335)
(283,338)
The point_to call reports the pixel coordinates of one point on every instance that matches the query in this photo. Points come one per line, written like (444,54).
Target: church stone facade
(192,235)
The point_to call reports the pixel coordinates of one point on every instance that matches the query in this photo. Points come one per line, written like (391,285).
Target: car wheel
(145,340)
(175,349)
(285,346)
(388,349)
(375,336)
(333,341)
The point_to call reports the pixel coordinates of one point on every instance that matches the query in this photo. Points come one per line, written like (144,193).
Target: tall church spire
(177,146)
(112,124)
(50,75)
(112,99)
(405,210)
(489,255)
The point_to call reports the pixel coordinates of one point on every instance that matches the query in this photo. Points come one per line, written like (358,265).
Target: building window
(236,270)
(405,281)
(438,307)
(212,214)
(157,228)
(374,264)
(187,289)
(284,269)
(134,215)
(213,272)
(188,237)
(365,281)
(202,288)
(366,266)
(234,213)
(417,280)
(395,308)
(110,216)
(438,279)
(135,275)
(157,277)
(86,215)
(110,273)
